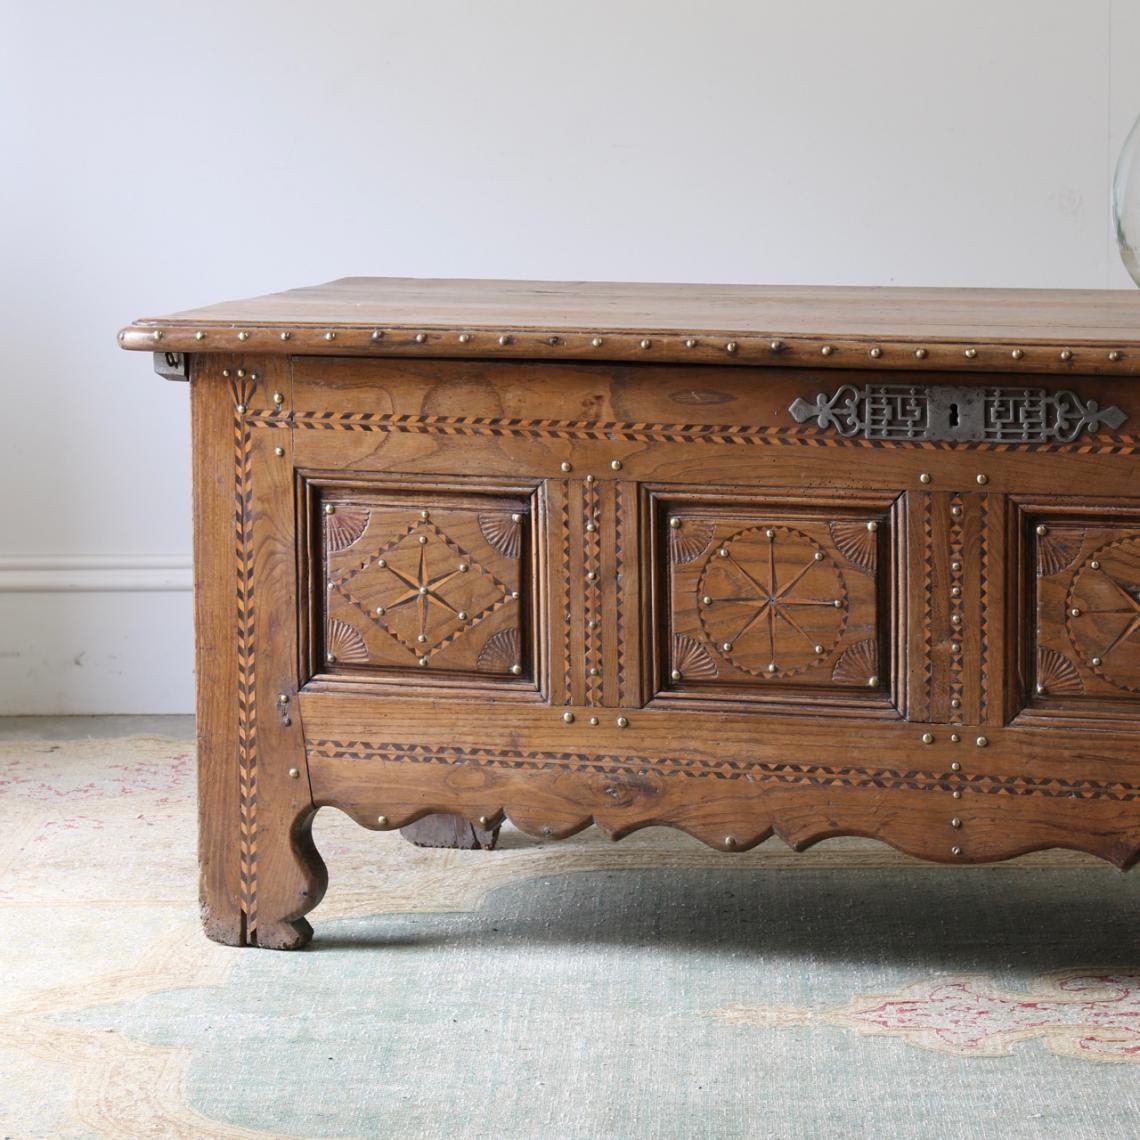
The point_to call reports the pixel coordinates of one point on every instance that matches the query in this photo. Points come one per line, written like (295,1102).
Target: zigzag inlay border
(756,771)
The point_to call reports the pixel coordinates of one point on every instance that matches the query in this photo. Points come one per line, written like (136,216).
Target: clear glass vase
(1126,202)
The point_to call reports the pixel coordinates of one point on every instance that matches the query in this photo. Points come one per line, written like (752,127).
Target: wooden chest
(735,560)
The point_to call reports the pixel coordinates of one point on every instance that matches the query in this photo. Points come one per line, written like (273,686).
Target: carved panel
(1087,604)
(773,599)
(431,585)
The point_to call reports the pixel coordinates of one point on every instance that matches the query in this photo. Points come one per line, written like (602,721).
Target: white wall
(158,156)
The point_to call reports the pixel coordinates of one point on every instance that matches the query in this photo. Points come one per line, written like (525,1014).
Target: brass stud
(826,350)
(516,518)
(278,398)
(1075,612)
(279,451)
(594,671)
(594,721)
(243,336)
(876,353)
(838,603)
(647,343)
(675,522)
(421,338)
(240,409)
(591,478)
(423,591)
(1042,530)
(516,669)
(464,338)
(675,675)
(1017,353)
(872,526)
(1039,689)
(956,793)
(505,339)
(770,535)
(955,766)
(461,615)
(955,738)
(819,649)
(377,334)
(567,467)
(199,335)
(286,335)
(422,638)
(592,576)
(425,515)
(956,512)
(731,347)
(924,478)
(568,717)
(727,647)
(330,336)
(956,566)
(423,540)
(593,623)
(330,658)
(1066,354)
(955,647)
(955,591)
(1114,356)
(463,567)
(955,822)
(597,342)
(982,741)
(723,552)
(955,850)
(776,345)
(971,353)
(330,509)
(423,661)
(955,619)
(928,738)
(591,526)
(294,773)
(819,556)
(484,822)
(380,611)
(730,841)
(690,342)
(872,682)
(772,668)
(920,353)
(225,371)
(381,562)
(707,600)
(514,595)
(615,464)
(157,334)
(1094,564)
(622,722)
(982,479)
(1097,661)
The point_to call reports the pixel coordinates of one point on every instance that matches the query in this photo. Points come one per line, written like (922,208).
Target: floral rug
(650,988)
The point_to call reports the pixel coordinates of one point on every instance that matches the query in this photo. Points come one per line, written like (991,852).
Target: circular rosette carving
(690,540)
(772,601)
(1102,613)
(1057,676)
(692,660)
(345,527)
(500,651)
(502,532)
(857,664)
(343,643)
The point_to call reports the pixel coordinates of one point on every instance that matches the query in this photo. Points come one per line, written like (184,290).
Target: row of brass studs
(774,345)
(956,661)
(956,767)
(594,721)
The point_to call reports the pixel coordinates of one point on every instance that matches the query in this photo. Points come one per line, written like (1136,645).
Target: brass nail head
(730,841)
(615,464)
(872,526)
(382,820)
(286,335)
(568,717)
(731,347)
(982,479)
(876,353)
(928,738)
(955,822)
(982,741)
(956,793)
(294,773)
(279,451)
(955,850)
(594,721)
(421,338)
(464,338)
(243,336)
(516,669)
(675,522)
(484,822)
(955,766)
(1042,530)
(971,353)
(199,335)
(597,342)
(330,509)
(1066,354)
(690,342)
(1074,612)
(566,467)
(676,674)
(647,343)
(872,681)
(377,334)
(330,336)
(1017,353)
(622,722)
(1114,356)
(826,350)
(924,478)
(920,353)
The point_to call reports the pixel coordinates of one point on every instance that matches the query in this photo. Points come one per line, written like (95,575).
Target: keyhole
(953,415)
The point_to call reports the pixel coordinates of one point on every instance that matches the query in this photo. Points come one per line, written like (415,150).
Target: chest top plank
(1004,329)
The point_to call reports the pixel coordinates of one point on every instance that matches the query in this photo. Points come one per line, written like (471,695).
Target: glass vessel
(1126,202)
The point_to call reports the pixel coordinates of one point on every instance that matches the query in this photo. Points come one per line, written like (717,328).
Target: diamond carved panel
(430,588)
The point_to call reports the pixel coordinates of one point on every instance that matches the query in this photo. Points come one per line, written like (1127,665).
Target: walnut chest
(736,560)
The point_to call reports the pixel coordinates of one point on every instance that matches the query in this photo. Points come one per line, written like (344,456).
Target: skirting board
(96,634)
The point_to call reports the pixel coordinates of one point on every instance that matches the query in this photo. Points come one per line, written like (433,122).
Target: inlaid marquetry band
(755,771)
(649,345)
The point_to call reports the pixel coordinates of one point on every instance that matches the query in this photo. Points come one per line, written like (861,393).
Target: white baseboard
(96,634)
(93,573)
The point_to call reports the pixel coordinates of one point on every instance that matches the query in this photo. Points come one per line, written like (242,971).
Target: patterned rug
(650,988)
